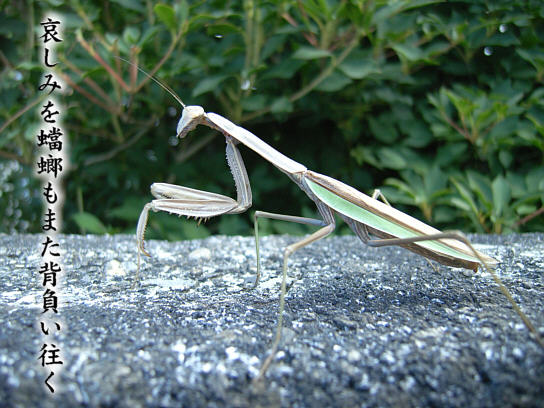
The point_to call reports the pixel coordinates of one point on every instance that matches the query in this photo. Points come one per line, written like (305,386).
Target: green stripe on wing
(364,216)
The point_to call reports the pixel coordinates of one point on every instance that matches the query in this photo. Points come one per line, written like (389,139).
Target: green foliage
(89,223)
(440,104)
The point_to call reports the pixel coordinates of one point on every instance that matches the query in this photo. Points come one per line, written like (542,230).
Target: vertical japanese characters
(50,168)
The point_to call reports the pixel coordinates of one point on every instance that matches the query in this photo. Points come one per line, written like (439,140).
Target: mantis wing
(388,222)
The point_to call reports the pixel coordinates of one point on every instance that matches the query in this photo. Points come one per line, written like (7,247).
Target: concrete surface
(363,326)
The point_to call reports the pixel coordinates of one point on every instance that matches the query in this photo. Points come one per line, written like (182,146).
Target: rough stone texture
(363,326)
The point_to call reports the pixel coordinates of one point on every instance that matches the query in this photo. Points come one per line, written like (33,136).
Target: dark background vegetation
(438,104)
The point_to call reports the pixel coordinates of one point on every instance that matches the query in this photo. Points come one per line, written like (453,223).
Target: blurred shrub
(441,104)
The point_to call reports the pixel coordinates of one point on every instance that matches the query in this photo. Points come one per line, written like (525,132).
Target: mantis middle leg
(328,225)
(280,217)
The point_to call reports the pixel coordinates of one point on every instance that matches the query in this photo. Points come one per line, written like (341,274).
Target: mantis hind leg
(459,236)
(377,194)
(358,228)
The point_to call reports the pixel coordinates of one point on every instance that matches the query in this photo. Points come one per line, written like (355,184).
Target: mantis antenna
(164,86)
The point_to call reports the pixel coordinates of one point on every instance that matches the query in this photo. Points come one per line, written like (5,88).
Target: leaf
(535,179)
(450,153)
(435,182)
(334,82)
(223,29)
(401,193)
(481,186)
(418,134)
(134,5)
(506,158)
(233,226)
(167,15)
(362,154)
(112,38)
(408,52)
(309,53)
(254,103)
(383,128)
(535,57)
(89,223)
(147,35)
(358,65)
(502,40)
(383,13)
(461,204)
(284,70)
(163,225)
(467,198)
(281,105)
(10,27)
(208,84)
(192,230)
(317,9)
(501,195)
(131,35)
(392,159)
(181,8)
(130,209)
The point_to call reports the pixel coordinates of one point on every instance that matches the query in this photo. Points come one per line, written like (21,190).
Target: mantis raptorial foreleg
(196,203)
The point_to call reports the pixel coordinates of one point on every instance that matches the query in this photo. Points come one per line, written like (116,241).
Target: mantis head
(191,116)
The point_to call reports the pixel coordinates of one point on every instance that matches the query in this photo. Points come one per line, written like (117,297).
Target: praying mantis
(365,215)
